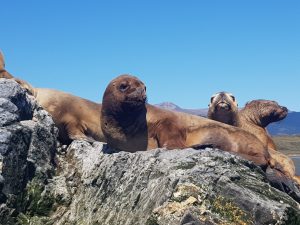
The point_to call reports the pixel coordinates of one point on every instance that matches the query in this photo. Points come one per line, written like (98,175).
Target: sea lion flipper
(82,137)
(202,146)
(278,180)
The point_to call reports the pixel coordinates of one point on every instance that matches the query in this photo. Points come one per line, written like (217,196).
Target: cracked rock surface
(42,183)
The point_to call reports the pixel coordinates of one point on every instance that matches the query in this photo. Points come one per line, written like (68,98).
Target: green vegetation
(230,212)
(289,145)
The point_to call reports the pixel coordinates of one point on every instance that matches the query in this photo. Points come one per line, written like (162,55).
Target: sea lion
(7,75)
(254,118)
(130,124)
(3,72)
(223,107)
(257,115)
(75,117)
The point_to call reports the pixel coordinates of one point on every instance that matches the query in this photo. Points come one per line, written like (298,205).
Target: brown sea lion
(223,108)
(254,118)
(129,124)
(3,72)
(75,117)
(7,75)
(257,115)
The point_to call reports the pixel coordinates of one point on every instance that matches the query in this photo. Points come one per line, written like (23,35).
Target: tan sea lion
(223,108)
(254,118)
(129,124)
(257,115)
(75,117)
(7,75)
(3,72)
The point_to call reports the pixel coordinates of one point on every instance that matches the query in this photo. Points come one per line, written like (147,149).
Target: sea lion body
(254,118)
(129,124)
(3,72)
(75,117)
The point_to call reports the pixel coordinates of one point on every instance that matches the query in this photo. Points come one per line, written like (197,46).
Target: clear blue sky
(183,50)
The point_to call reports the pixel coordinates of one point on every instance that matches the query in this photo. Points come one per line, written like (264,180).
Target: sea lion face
(268,111)
(223,101)
(126,90)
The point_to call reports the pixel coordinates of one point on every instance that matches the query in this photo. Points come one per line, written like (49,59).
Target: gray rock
(27,147)
(12,91)
(166,187)
(8,112)
(41,183)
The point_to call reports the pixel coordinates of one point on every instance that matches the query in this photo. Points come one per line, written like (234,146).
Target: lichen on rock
(45,183)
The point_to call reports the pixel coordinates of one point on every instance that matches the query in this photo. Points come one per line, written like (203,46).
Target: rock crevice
(41,183)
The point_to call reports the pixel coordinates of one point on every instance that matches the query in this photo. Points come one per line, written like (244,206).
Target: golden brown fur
(75,117)
(7,75)
(254,118)
(223,108)
(131,125)
(257,115)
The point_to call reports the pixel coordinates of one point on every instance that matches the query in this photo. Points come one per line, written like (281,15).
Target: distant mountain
(173,107)
(289,126)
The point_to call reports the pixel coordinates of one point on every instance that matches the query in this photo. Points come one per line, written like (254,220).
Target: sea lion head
(223,101)
(125,93)
(266,111)
(223,107)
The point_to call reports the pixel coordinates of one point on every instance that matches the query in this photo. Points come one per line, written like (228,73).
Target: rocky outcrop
(90,184)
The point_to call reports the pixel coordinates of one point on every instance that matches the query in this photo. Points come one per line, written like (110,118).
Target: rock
(27,147)
(41,183)
(166,187)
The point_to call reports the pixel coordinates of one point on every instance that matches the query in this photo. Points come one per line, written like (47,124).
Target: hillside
(289,126)
(289,145)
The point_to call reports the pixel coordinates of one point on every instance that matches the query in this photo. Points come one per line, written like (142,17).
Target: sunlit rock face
(44,183)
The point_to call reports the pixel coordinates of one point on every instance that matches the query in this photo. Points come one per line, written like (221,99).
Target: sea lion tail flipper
(280,181)
(2,62)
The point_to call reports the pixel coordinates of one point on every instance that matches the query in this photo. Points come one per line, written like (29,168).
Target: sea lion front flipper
(202,146)
(278,180)
(83,138)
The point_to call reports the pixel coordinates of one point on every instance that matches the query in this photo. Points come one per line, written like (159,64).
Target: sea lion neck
(252,116)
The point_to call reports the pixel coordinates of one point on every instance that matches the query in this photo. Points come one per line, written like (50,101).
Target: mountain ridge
(289,126)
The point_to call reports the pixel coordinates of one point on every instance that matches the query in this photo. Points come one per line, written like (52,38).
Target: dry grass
(289,145)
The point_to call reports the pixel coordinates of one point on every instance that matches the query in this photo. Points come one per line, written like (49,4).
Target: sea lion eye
(233,98)
(123,87)
(211,99)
